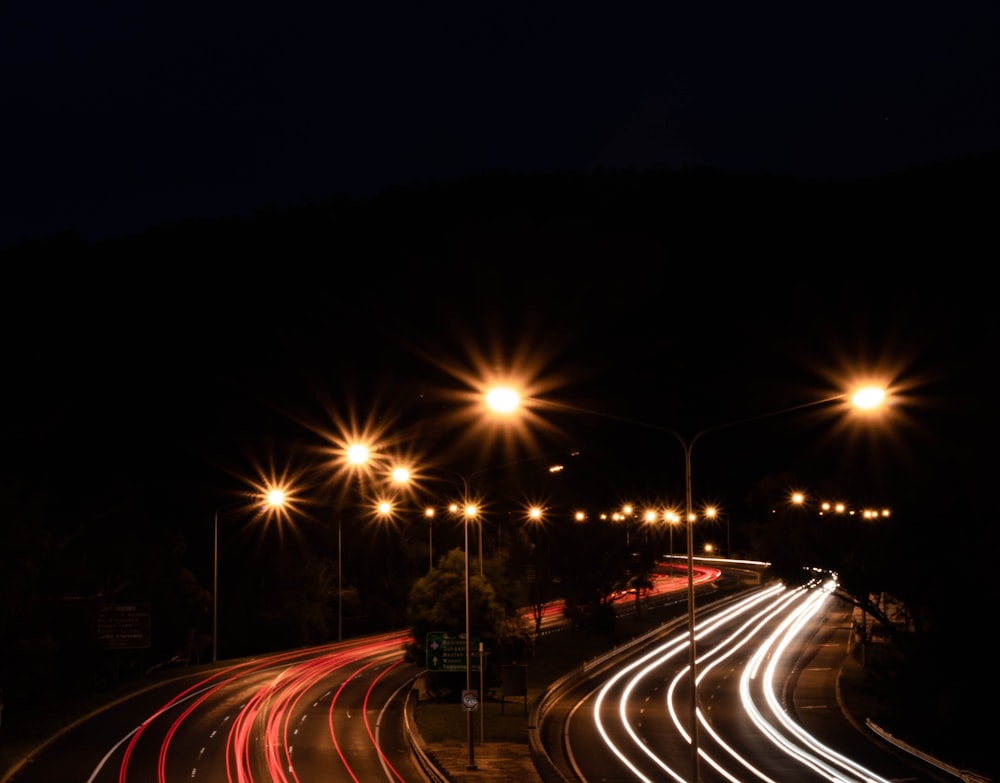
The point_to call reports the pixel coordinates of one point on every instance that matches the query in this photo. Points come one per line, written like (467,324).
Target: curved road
(630,721)
(334,713)
(322,714)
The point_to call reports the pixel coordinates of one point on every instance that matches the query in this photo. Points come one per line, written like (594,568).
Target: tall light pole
(508,400)
(692,645)
(713,513)
(273,498)
(470,511)
(429,514)
(672,519)
(357,455)
(404,475)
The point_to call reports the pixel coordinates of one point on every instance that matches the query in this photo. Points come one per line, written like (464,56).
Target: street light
(470,511)
(274,498)
(429,514)
(508,400)
(711,512)
(357,455)
(671,518)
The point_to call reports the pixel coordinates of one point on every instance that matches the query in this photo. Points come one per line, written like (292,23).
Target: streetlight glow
(357,454)
(273,500)
(503,399)
(868,398)
(470,512)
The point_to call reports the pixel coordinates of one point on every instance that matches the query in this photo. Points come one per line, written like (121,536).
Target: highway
(322,714)
(766,672)
(767,662)
(333,712)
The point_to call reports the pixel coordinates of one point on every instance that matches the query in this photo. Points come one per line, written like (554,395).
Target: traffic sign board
(123,626)
(446,652)
(470,700)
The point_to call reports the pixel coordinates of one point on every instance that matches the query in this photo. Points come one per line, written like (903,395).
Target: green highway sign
(446,653)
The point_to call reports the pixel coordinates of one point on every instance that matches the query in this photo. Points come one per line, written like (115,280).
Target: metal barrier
(417,745)
(963,774)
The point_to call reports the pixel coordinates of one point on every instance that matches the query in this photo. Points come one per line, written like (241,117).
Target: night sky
(195,364)
(121,116)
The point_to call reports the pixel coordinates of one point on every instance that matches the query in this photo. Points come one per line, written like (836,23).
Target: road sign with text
(446,653)
(123,626)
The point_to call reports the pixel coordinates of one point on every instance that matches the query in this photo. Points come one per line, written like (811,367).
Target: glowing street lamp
(470,512)
(711,512)
(429,514)
(672,518)
(357,456)
(271,500)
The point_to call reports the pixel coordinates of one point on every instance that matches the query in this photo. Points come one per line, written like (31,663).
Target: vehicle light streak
(758,622)
(774,618)
(811,752)
(269,712)
(554,612)
(673,647)
(333,731)
(371,733)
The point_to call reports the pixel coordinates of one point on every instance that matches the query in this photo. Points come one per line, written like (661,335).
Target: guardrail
(963,774)
(418,747)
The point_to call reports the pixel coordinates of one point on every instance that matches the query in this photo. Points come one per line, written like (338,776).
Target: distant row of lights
(652,516)
(826,507)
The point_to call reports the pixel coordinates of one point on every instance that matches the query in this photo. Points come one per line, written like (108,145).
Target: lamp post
(711,512)
(470,511)
(429,514)
(672,519)
(274,498)
(508,400)
(403,475)
(357,456)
